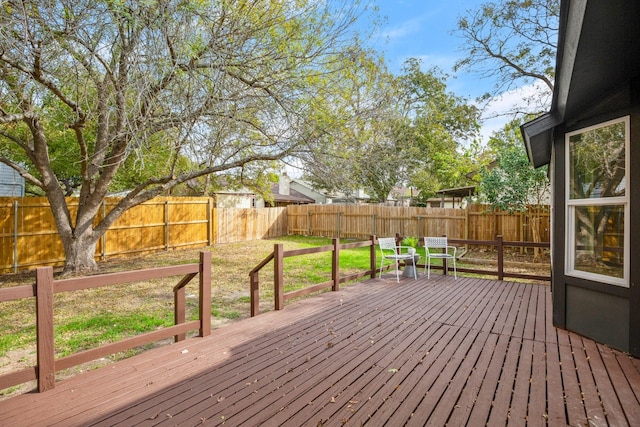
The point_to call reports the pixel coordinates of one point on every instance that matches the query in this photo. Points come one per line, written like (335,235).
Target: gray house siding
(606,313)
(597,81)
(11,183)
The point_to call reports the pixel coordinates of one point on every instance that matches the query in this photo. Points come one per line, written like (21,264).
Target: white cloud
(507,106)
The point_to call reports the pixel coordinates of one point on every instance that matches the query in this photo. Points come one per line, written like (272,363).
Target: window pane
(599,240)
(597,162)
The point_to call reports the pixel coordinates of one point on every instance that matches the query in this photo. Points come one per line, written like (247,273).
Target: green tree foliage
(439,131)
(355,146)
(395,130)
(101,95)
(513,183)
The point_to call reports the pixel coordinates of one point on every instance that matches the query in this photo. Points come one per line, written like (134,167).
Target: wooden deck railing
(499,244)
(46,286)
(278,255)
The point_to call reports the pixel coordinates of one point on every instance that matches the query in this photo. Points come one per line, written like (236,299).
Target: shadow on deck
(460,352)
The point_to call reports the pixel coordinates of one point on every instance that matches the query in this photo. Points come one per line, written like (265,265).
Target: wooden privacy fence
(28,236)
(46,287)
(476,222)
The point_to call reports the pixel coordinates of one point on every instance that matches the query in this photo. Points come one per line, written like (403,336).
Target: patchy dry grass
(89,318)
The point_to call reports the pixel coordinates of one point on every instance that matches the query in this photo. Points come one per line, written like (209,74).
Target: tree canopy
(100,95)
(512,42)
(399,130)
(513,184)
(148,97)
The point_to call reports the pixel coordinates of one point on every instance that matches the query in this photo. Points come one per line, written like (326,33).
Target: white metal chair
(390,251)
(439,243)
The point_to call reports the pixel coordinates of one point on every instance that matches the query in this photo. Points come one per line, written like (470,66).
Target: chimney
(283,184)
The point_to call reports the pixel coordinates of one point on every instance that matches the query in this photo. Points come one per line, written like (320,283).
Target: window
(598,202)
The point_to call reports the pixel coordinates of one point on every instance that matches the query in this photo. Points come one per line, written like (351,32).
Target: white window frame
(571,205)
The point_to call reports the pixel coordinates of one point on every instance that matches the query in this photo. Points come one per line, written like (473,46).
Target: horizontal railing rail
(46,287)
(499,244)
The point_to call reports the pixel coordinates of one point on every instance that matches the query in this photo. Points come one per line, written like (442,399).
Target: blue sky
(424,29)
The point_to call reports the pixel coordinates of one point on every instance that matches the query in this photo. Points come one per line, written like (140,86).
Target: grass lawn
(89,318)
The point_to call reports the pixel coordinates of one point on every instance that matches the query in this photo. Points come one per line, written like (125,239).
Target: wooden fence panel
(161,224)
(29,238)
(239,225)
(486,223)
(361,221)
(6,233)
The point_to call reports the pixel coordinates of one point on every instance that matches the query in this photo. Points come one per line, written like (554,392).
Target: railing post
(500,250)
(46,370)
(278,275)
(372,256)
(254,290)
(335,265)
(205,293)
(179,311)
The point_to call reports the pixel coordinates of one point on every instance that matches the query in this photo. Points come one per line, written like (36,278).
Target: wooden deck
(426,352)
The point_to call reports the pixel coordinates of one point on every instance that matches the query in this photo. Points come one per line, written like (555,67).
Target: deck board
(419,352)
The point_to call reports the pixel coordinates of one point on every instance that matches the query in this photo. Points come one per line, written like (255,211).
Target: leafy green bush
(410,241)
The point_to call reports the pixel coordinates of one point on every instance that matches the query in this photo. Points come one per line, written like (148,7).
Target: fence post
(372,256)
(278,275)
(339,217)
(308,222)
(44,333)
(104,235)
(373,224)
(499,249)
(209,223)
(335,265)
(15,236)
(205,293)
(166,225)
(466,225)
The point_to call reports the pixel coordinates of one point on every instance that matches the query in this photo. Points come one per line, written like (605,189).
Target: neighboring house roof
(597,60)
(457,192)
(307,189)
(293,196)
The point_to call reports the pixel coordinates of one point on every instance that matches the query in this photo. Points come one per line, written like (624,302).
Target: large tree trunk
(535,220)
(79,255)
